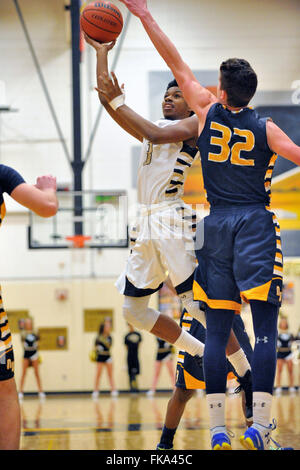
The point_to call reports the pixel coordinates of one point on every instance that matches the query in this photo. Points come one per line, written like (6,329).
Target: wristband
(117,102)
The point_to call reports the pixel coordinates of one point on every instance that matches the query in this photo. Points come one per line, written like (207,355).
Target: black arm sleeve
(9,179)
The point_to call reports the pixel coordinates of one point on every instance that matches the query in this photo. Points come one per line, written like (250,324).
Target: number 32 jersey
(163,169)
(237,163)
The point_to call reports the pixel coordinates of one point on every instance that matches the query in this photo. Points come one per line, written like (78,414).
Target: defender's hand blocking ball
(102,21)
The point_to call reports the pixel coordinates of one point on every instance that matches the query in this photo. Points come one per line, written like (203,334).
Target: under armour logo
(262,340)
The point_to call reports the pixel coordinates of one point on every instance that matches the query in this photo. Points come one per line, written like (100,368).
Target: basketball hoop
(78,240)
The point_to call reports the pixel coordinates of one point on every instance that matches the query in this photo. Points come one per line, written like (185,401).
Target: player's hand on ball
(46,182)
(99,46)
(137,7)
(109,87)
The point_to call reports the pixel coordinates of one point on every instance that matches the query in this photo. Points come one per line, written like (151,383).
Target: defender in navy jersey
(249,263)
(41,199)
(241,235)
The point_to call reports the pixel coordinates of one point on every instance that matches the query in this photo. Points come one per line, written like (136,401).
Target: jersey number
(149,154)
(223,142)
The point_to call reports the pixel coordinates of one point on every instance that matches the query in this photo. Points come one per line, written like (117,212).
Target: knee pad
(137,313)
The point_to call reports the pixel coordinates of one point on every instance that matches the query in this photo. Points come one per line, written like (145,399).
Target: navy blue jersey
(9,180)
(237,162)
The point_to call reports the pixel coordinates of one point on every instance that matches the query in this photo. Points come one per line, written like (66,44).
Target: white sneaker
(292,390)
(150,393)
(114,393)
(42,396)
(278,391)
(21,396)
(95,395)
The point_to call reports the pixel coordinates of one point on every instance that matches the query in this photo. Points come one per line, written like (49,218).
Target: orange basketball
(102,21)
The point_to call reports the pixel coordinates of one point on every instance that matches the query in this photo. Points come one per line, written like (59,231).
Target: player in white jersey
(163,237)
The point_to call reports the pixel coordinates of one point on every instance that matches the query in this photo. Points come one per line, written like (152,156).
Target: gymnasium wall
(71,369)
(205,32)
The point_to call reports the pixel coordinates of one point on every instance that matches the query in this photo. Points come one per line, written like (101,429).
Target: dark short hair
(239,81)
(171,85)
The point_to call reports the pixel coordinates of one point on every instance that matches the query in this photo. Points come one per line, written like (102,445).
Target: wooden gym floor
(133,422)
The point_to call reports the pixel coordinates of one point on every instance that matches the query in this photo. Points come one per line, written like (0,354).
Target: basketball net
(78,254)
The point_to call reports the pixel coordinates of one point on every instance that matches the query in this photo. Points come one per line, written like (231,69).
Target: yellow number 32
(223,142)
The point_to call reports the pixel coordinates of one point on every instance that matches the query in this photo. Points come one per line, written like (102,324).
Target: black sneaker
(246,386)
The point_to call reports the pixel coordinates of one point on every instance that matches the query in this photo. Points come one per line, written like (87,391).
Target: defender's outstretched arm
(194,93)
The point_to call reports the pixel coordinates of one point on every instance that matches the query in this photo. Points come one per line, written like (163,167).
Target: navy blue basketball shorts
(189,376)
(240,258)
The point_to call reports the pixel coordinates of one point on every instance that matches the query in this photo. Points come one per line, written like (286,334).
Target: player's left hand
(137,7)
(109,86)
(98,46)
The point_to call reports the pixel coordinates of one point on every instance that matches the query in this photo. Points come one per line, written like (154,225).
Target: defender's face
(174,105)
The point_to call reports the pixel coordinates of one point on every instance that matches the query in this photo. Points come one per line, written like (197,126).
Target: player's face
(107,327)
(174,105)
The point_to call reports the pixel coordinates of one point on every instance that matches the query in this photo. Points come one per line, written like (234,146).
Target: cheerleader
(31,358)
(103,345)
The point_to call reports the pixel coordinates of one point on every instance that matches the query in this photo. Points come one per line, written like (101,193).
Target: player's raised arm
(111,96)
(186,129)
(281,144)
(102,67)
(194,93)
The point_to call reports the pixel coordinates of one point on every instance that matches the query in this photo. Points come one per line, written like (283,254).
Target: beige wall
(72,370)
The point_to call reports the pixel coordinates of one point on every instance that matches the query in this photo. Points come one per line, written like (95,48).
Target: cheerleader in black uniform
(103,345)
(164,356)
(284,355)
(30,340)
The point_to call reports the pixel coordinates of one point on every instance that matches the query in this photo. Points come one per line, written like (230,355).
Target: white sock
(239,362)
(188,343)
(192,306)
(262,404)
(216,411)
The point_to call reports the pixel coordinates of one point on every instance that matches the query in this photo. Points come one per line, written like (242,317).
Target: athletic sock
(188,343)
(216,410)
(167,437)
(262,404)
(240,362)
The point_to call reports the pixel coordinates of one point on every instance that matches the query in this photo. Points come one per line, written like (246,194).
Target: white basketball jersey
(163,169)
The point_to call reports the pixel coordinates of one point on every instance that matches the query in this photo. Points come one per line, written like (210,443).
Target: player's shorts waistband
(236,208)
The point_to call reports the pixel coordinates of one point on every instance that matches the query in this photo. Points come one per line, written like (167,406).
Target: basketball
(102,21)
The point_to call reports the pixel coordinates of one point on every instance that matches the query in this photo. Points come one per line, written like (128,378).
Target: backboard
(100,217)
